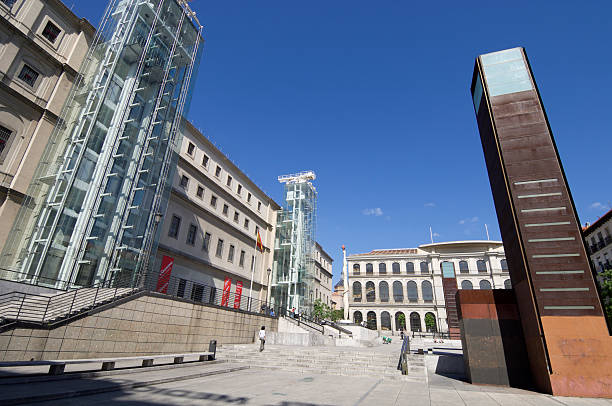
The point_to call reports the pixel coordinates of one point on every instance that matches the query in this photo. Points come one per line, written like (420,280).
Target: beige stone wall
(145,325)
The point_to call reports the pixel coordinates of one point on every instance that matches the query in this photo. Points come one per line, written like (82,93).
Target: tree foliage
(402,321)
(324,312)
(605,283)
(430,322)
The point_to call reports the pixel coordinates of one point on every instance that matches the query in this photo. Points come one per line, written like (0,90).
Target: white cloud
(599,206)
(469,220)
(377,211)
(430,204)
(436,234)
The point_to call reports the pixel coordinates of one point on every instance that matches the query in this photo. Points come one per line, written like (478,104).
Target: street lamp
(269,287)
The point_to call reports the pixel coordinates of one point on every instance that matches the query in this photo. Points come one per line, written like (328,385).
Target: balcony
(608,240)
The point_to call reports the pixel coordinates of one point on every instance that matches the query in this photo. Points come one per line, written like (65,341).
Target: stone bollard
(212,347)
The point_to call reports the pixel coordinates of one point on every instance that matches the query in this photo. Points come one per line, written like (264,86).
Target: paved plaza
(229,382)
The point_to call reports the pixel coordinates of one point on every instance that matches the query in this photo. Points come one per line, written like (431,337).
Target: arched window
(371,321)
(382,267)
(398,291)
(356,270)
(485,284)
(504,265)
(383,291)
(357,292)
(370,292)
(415,322)
(400,321)
(413,293)
(395,268)
(409,267)
(507,284)
(424,267)
(369,269)
(427,291)
(463,267)
(385,321)
(357,317)
(430,322)
(467,285)
(481,266)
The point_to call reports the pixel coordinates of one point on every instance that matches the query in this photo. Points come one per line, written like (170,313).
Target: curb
(114,387)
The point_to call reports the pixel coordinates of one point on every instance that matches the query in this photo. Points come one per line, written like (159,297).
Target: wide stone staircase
(379,362)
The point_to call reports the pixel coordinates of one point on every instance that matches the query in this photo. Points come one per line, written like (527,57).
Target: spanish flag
(259,243)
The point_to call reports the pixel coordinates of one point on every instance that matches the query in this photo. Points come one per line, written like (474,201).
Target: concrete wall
(7,286)
(146,324)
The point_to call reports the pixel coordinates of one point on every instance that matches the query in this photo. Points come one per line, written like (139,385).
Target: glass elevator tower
(293,274)
(90,215)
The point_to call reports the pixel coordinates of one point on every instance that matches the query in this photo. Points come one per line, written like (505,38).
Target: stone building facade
(210,227)
(385,284)
(598,241)
(323,275)
(42,45)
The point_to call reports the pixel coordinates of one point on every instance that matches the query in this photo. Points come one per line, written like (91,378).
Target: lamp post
(269,288)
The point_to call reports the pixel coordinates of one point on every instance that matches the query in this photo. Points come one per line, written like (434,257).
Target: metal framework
(89,215)
(293,276)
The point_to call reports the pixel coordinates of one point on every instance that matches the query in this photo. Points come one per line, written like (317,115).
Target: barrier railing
(403,359)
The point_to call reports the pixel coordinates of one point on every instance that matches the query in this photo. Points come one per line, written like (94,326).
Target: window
(51,32)
(219,252)
(175,225)
(398,292)
(356,270)
(213,201)
(191,234)
(9,3)
(382,268)
(370,291)
(241,260)
(190,149)
(28,75)
(385,321)
(383,291)
(225,209)
(357,317)
(184,181)
(229,180)
(246,223)
(409,268)
(427,291)
(5,135)
(180,290)
(236,216)
(258,206)
(432,328)
(415,322)
(369,269)
(413,293)
(200,191)
(507,284)
(467,285)
(197,292)
(504,265)
(239,189)
(218,171)
(206,242)
(481,266)
(205,160)
(371,322)
(484,284)
(248,198)
(395,268)
(424,267)
(230,254)
(463,267)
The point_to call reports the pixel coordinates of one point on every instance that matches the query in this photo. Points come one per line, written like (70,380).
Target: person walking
(262,338)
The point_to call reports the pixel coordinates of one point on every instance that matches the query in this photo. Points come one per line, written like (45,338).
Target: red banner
(227,286)
(238,295)
(164,274)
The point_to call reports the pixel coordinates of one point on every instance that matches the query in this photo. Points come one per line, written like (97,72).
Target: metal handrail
(298,319)
(403,358)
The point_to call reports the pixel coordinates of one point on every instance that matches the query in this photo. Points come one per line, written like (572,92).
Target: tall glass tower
(294,268)
(91,212)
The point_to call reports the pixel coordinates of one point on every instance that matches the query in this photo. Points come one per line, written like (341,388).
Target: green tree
(337,314)
(321,310)
(430,322)
(605,283)
(401,319)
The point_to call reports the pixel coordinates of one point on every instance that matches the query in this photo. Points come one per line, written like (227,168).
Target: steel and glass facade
(92,210)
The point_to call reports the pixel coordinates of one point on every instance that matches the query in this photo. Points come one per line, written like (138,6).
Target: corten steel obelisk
(567,339)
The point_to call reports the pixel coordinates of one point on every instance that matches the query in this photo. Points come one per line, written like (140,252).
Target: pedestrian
(262,338)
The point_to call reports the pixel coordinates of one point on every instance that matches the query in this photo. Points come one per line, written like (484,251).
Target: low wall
(494,349)
(147,323)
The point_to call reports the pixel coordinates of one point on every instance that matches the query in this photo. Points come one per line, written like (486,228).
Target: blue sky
(374,97)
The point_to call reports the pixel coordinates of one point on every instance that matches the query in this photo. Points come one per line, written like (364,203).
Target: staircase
(46,309)
(378,362)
